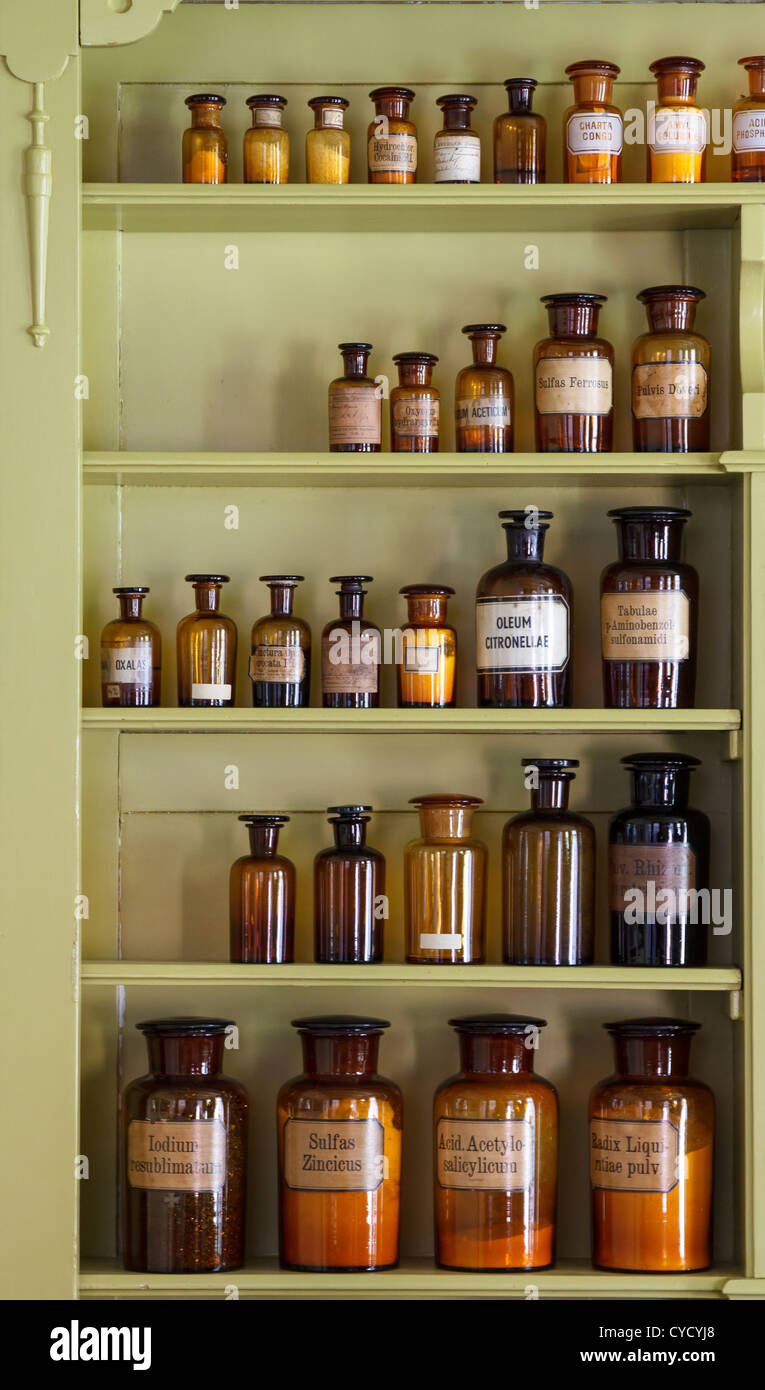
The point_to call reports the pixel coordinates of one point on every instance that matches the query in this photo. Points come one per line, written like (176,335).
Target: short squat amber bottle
(748,158)
(520,136)
(350,906)
(339,1134)
(351,650)
(428,665)
(262,897)
(648,613)
(496,1150)
(266,143)
(523,620)
(484,413)
(355,405)
(677,129)
(328,146)
(206,647)
(670,375)
(593,134)
(548,873)
(415,405)
(658,854)
(652,1153)
(184,1153)
(457,148)
(392,137)
(131,653)
(205,150)
(573,378)
(445,884)
(280,660)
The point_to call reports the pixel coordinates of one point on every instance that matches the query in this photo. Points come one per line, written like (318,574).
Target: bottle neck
(350,834)
(395,108)
(756,77)
(207,597)
(573,320)
(446,822)
(427,610)
(351,605)
(592,87)
(480,1055)
(456,117)
(485,350)
(551,794)
(355,363)
(205,118)
(519,100)
(677,88)
(130,605)
(525,542)
(281,600)
(668,315)
(661,787)
(264,840)
(414,373)
(652,1056)
(650,540)
(180,1056)
(339,1055)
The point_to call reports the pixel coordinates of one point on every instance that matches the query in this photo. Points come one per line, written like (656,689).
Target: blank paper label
(200,691)
(485,1155)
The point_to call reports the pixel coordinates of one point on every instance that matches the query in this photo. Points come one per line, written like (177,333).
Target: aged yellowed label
(424,660)
(669,390)
(268,115)
(395,153)
(351,667)
(272,664)
(458,159)
(334,1155)
(637,866)
(472,411)
(170,1156)
(415,416)
(524,634)
(652,626)
(485,1155)
(332,116)
(574,386)
(355,416)
(634,1155)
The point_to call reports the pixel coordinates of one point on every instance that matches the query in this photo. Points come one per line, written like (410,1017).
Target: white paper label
(522,634)
(680,131)
(201,691)
(332,115)
(458,159)
(126,665)
(748,131)
(440,941)
(594,132)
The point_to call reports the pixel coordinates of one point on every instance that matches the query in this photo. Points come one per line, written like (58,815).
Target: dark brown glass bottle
(350,906)
(131,654)
(658,854)
(351,650)
(748,158)
(524,618)
(204,146)
(414,405)
(520,136)
(206,647)
(262,897)
(428,666)
(339,1134)
(355,405)
(548,873)
(573,378)
(593,133)
(280,662)
(484,413)
(648,613)
(670,375)
(184,1153)
(457,148)
(392,137)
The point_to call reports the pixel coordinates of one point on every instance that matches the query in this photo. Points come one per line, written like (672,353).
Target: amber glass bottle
(593,134)
(355,405)
(677,131)
(205,151)
(328,146)
(748,158)
(457,148)
(351,650)
(349,893)
(131,653)
(262,897)
(392,137)
(523,620)
(184,1153)
(266,143)
(206,647)
(548,873)
(648,613)
(445,884)
(280,662)
(573,378)
(484,413)
(428,665)
(658,853)
(520,136)
(414,405)
(496,1150)
(339,1132)
(652,1152)
(670,375)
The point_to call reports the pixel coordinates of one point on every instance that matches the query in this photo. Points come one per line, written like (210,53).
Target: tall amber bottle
(496,1150)
(266,143)
(548,873)
(131,653)
(593,134)
(677,131)
(350,906)
(328,146)
(206,647)
(670,375)
(262,897)
(445,884)
(748,158)
(355,405)
(280,660)
(339,1133)
(484,413)
(457,148)
(427,669)
(652,1152)
(351,650)
(204,146)
(392,137)
(573,378)
(520,136)
(415,405)
(524,622)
